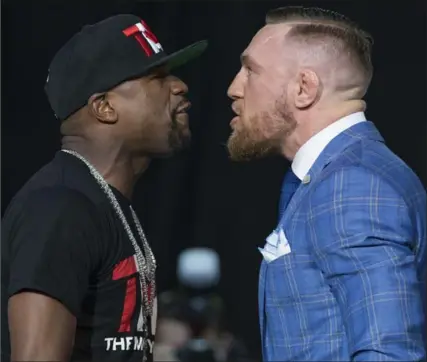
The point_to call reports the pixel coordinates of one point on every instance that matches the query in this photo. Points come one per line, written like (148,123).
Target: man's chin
(174,146)
(248,152)
(239,155)
(243,156)
(182,143)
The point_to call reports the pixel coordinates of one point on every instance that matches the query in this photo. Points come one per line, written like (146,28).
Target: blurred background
(204,215)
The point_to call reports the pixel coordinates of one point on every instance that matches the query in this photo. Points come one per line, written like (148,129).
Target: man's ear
(308,89)
(102,109)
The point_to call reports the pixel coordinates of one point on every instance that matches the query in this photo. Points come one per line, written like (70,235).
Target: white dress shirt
(310,151)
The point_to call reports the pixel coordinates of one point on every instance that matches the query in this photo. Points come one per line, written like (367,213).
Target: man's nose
(235,90)
(178,87)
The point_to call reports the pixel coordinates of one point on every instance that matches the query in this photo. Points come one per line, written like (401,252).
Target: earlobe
(101,108)
(308,89)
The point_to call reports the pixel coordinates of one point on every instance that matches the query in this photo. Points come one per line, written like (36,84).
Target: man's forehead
(267,41)
(269,36)
(136,84)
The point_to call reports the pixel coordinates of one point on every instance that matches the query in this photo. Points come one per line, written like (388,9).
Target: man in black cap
(78,276)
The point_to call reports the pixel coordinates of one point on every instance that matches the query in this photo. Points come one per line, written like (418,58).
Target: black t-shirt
(61,237)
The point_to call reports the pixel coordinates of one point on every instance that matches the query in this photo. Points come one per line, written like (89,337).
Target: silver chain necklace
(146,265)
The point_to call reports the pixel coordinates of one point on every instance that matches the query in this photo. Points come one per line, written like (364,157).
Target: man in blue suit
(342,276)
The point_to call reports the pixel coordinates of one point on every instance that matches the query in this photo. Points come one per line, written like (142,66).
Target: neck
(118,168)
(314,123)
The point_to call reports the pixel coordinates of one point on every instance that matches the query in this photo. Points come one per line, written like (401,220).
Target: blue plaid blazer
(352,288)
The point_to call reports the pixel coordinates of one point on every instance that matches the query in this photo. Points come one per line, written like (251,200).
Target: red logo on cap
(145,37)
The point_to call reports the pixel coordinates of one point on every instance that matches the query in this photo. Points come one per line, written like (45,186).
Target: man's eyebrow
(247,60)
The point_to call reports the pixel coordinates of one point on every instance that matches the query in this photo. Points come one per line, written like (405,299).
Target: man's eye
(160,77)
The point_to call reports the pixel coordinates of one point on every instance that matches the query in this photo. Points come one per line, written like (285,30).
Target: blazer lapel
(363,130)
(261,303)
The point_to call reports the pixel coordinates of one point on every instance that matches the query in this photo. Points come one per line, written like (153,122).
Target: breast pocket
(294,275)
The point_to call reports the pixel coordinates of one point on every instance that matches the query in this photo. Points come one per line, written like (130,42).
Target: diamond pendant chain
(146,265)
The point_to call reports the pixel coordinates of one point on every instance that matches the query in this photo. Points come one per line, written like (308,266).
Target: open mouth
(183,108)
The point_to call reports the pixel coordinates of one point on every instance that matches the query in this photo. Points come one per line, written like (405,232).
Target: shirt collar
(310,151)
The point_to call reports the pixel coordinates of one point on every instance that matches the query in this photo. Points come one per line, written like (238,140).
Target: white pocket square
(276,246)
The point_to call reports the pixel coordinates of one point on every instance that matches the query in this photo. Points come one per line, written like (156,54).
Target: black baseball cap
(103,55)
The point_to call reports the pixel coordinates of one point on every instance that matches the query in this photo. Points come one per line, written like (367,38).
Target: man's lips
(183,107)
(235,108)
(234,120)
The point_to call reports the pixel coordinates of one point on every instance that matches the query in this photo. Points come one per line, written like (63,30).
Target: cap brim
(185,55)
